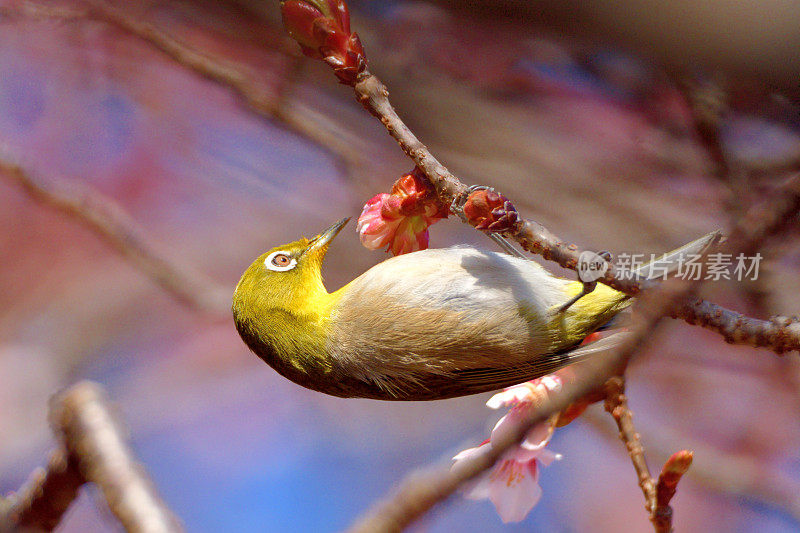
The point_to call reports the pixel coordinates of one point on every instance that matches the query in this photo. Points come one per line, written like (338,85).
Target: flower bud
(322,28)
(490,211)
(399,220)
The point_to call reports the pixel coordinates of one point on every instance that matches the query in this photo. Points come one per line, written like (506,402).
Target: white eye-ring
(280,261)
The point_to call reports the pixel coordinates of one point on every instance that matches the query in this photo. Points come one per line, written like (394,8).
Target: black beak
(323,239)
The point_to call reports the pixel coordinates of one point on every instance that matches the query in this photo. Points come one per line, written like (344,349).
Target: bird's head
(280,307)
(286,278)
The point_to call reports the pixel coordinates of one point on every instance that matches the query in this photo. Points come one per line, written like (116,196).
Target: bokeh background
(568,108)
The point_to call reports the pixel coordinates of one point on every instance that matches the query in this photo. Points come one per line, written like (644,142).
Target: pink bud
(400,220)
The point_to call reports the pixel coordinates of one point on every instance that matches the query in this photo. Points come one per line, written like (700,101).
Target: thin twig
(780,335)
(616,404)
(657,495)
(91,434)
(117,228)
(736,474)
(708,103)
(295,115)
(374,96)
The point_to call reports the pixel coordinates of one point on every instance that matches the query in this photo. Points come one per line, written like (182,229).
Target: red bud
(298,19)
(490,211)
(322,28)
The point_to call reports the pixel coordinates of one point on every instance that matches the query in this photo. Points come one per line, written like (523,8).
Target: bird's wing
(451,317)
(483,379)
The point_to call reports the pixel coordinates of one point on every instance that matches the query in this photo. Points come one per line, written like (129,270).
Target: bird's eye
(280,261)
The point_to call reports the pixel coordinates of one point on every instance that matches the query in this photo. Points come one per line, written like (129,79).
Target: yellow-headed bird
(428,325)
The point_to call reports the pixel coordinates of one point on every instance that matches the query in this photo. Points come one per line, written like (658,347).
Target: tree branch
(780,334)
(739,475)
(616,404)
(110,222)
(45,497)
(657,495)
(296,116)
(91,434)
(93,450)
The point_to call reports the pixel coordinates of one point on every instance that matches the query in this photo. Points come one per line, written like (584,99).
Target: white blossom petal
(509,396)
(538,437)
(514,491)
(546,457)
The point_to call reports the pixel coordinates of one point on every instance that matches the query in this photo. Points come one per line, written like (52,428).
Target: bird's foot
(588,286)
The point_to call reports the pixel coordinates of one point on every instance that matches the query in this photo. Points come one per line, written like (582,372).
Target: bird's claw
(588,286)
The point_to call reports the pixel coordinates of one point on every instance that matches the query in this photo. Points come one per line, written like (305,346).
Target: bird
(427,325)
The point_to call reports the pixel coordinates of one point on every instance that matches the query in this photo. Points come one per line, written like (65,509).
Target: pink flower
(513,483)
(399,221)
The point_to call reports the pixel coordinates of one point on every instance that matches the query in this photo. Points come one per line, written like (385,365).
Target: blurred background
(202,121)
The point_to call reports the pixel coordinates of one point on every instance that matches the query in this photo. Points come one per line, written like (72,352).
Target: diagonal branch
(780,334)
(421,490)
(295,115)
(616,404)
(91,434)
(110,222)
(45,497)
(92,450)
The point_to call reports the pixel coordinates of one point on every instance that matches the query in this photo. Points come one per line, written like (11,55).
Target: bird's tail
(599,307)
(669,263)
